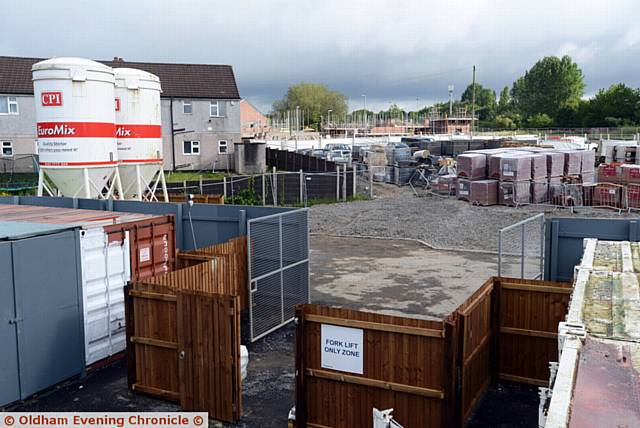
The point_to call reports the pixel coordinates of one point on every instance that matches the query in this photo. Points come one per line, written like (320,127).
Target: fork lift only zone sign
(342,348)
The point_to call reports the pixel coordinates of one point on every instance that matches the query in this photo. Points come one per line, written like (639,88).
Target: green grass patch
(180,176)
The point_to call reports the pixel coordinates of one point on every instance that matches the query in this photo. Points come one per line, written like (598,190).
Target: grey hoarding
(564,239)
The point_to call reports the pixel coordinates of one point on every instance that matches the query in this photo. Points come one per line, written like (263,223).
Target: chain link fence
(18,174)
(521,249)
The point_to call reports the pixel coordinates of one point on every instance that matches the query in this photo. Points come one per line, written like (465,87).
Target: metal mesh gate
(278,269)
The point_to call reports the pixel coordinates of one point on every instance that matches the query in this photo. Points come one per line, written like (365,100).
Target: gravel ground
(442,222)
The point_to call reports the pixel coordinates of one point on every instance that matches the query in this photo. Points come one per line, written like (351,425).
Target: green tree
(485,101)
(314,98)
(618,105)
(550,85)
(504,103)
(539,120)
(505,122)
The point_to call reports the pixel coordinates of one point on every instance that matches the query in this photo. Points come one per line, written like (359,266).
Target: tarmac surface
(392,276)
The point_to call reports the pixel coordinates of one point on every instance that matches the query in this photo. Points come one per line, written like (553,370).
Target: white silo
(139,133)
(75,117)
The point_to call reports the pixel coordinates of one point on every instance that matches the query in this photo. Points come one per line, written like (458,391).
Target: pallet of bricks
(620,184)
(526,175)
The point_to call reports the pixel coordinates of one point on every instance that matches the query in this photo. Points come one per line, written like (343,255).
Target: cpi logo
(51,99)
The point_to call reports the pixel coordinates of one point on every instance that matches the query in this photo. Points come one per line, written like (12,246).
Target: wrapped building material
(510,166)
(608,195)
(609,173)
(445,184)
(588,177)
(513,193)
(483,192)
(555,164)
(630,173)
(572,162)
(539,192)
(472,166)
(463,187)
(538,166)
(589,161)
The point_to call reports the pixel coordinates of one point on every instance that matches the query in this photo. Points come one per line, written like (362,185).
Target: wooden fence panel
(404,366)
(231,262)
(152,341)
(184,345)
(209,368)
(475,328)
(528,325)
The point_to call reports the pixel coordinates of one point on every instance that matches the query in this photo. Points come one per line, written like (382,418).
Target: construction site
(171,256)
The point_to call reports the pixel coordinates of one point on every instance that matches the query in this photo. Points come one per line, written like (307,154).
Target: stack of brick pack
(524,175)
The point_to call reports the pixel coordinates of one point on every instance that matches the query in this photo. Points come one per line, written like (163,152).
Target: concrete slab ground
(395,277)
(398,277)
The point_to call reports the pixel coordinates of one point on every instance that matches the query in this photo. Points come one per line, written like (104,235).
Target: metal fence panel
(521,248)
(278,247)
(564,241)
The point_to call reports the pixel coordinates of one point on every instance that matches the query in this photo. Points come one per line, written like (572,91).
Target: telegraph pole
(473,102)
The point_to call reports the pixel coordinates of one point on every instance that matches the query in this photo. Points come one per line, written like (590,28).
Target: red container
(472,166)
(633,195)
(483,192)
(608,195)
(152,238)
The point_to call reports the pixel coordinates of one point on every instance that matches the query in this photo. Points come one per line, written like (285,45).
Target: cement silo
(75,117)
(139,133)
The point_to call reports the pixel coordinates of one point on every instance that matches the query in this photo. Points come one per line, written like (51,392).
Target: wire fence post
(355,172)
(275,187)
(370,182)
(499,253)
(201,191)
(337,183)
(344,183)
(224,187)
(522,244)
(264,188)
(301,187)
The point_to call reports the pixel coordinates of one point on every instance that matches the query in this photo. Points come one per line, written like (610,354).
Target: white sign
(342,348)
(145,254)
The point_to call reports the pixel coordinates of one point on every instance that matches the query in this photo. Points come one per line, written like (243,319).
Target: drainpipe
(173,144)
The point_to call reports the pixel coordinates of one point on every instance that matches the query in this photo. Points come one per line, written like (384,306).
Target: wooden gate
(529,313)
(474,324)
(183,344)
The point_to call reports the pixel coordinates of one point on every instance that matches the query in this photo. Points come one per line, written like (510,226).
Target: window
(8,105)
(7,149)
(217,108)
(222,146)
(187,107)
(214,109)
(191,147)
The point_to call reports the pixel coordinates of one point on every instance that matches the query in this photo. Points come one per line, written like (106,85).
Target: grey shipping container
(41,327)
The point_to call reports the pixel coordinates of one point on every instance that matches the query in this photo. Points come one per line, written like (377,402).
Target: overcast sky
(392,51)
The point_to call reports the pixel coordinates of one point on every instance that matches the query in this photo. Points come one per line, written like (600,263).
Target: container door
(105,272)
(47,287)
(9,384)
